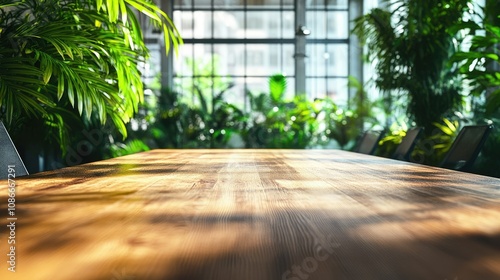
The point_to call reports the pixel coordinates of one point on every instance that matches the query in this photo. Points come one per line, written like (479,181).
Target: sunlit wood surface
(254,214)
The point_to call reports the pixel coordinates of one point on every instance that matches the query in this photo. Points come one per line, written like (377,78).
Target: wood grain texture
(253,214)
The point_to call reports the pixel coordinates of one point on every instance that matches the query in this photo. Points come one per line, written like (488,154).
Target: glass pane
(288,4)
(315,3)
(236,93)
(290,89)
(183,4)
(257,85)
(269,59)
(330,4)
(152,68)
(193,60)
(181,62)
(201,60)
(256,59)
(267,4)
(337,25)
(202,4)
(202,24)
(287,52)
(230,59)
(337,60)
(337,4)
(263,24)
(316,22)
(184,23)
(316,88)
(228,4)
(183,87)
(229,24)
(338,91)
(331,25)
(316,62)
(288,24)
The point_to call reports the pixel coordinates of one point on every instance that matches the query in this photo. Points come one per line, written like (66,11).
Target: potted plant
(65,64)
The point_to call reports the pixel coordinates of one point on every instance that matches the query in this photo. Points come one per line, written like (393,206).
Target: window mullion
(300,47)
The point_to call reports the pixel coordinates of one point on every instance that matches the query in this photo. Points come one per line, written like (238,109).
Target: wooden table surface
(253,214)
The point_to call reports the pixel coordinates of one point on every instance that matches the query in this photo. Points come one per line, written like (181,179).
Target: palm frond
(70,52)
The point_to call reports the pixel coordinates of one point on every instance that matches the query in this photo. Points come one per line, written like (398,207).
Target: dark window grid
(244,42)
(234,9)
(349,101)
(326,77)
(239,76)
(245,5)
(215,41)
(258,76)
(327,10)
(281,42)
(187,40)
(327,41)
(291,9)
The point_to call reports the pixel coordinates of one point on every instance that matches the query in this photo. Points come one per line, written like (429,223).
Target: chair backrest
(466,147)
(368,142)
(404,149)
(9,155)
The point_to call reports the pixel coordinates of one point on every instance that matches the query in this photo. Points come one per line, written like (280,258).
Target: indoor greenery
(480,64)
(346,124)
(196,116)
(412,44)
(65,65)
(182,125)
(194,119)
(421,55)
(392,138)
(275,122)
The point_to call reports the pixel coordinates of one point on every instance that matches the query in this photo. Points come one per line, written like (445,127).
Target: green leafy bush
(278,123)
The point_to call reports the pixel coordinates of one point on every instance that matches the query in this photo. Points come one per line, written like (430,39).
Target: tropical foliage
(412,44)
(346,124)
(275,122)
(70,63)
(481,62)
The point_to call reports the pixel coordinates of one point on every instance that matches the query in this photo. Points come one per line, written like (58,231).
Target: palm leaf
(82,54)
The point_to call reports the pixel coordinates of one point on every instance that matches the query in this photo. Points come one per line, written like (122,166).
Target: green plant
(481,62)
(72,62)
(412,46)
(448,131)
(394,137)
(129,147)
(212,127)
(345,125)
(278,123)
(196,117)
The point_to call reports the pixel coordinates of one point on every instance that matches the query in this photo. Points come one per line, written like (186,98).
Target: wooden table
(253,214)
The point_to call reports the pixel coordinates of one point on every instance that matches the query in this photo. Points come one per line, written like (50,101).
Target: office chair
(9,155)
(368,142)
(403,151)
(466,147)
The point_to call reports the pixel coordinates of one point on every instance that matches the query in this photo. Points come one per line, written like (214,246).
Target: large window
(235,45)
(327,49)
